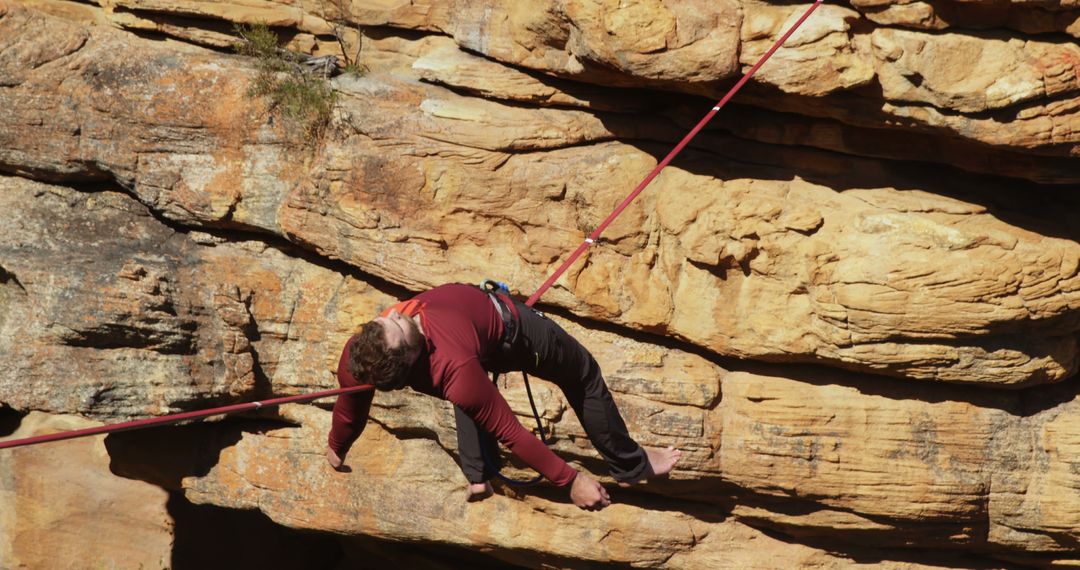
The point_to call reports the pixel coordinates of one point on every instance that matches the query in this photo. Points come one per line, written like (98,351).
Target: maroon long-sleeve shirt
(460,328)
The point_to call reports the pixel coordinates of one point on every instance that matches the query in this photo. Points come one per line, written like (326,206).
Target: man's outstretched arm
(350,416)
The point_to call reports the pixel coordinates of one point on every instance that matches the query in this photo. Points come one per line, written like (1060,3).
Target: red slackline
(595,235)
(177,418)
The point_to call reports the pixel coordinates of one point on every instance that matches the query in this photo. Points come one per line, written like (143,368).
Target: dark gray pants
(543,349)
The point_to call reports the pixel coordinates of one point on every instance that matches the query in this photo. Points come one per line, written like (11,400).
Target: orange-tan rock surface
(694,47)
(904,464)
(1029,17)
(907,283)
(808,301)
(114,314)
(60,507)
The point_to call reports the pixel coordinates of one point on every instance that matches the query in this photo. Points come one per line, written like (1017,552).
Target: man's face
(400,330)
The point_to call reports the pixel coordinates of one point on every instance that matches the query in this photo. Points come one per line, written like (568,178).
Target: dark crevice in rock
(1028,337)
(175,22)
(876,555)
(903,158)
(241,233)
(207,536)
(964,17)
(632,101)
(1004,115)
(165,455)
(1056,36)
(884,156)
(364,553)
(264,388)
(662,495)
(177,18)
(410,432)
(139,335)
(10,419)
(1020,560)
(7,278)
(981,32)
(385,32)
(940,533)
(1023,402)
(895,537)
(1048,209)
(861,107)
(86,173)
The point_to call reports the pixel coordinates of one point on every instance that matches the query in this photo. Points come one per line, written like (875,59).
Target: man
(444,342)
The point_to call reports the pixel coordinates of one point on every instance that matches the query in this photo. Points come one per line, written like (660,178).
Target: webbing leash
(589,241)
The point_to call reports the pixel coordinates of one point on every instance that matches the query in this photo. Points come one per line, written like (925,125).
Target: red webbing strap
(667,159)
(177,418)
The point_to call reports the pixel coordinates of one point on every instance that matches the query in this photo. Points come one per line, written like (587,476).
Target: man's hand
(587,493)
(335,461)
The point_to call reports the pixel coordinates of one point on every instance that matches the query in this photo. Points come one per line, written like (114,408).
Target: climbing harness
(510,326)
(589,241)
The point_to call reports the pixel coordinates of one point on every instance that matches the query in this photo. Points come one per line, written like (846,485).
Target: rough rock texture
(1029,17)
(819,302)
(902,282)
(113,314)
(60,507)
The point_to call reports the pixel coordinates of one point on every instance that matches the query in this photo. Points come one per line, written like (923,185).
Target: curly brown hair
(372,361)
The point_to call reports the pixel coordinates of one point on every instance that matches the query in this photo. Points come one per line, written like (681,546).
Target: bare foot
(478,492)
(661,462)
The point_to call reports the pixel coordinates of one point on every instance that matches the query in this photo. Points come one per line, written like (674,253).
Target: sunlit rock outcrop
(852,301)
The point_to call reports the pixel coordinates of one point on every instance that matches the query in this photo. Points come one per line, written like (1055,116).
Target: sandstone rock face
(906,284)
(1011,71)
(61,508)
(114,314)
(820,302)
(1028,17)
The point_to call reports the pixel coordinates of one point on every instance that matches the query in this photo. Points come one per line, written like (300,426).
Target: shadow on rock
(206,537)
(10,419)
(165,456)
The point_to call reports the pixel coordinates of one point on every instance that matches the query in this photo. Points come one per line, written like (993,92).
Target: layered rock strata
(823,331)
(902,282)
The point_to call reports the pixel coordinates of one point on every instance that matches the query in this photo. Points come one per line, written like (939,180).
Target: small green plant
(304,98)
(355,68)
